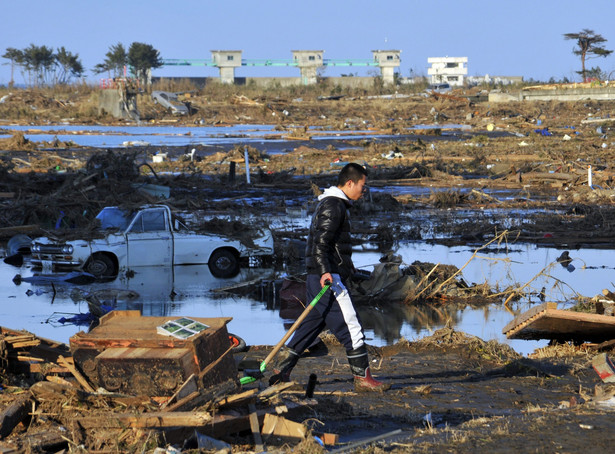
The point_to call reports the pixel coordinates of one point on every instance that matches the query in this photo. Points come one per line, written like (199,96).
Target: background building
(451,70)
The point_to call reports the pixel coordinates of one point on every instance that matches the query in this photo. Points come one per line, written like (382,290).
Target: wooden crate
(126,354)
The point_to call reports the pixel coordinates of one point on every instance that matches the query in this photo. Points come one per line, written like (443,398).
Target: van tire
(224,263)
(100,265)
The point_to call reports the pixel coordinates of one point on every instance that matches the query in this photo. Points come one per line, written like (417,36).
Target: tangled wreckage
(133,393)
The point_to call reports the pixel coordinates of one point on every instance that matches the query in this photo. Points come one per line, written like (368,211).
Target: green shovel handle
(276,349)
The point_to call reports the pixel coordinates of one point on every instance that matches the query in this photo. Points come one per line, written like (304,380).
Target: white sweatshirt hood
(333,191)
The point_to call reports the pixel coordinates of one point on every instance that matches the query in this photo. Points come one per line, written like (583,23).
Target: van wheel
(223,263)
(100,265)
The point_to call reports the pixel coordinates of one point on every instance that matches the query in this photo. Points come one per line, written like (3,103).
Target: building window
(230,57)
(452,65)
(453,78)
(389,57)
(311,58)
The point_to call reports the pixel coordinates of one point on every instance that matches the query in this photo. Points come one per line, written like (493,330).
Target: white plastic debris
(135,143)
(159,157)
(566,137)
(427,420)
(210,444)
(392,154)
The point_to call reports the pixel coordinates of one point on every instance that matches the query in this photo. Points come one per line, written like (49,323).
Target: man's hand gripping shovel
(254,375)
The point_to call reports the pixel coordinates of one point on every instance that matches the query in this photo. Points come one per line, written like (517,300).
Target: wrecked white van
(148,236)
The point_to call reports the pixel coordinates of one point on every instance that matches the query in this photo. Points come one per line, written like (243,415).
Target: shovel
(255,375)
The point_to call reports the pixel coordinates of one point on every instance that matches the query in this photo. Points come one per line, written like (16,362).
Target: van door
(149,239)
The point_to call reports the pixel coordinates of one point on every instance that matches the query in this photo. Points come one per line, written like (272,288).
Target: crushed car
(170,102)
(148,236)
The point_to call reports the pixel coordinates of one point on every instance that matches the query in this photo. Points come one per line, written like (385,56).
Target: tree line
(40,65)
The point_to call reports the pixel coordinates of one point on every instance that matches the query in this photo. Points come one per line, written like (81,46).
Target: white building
(452,70)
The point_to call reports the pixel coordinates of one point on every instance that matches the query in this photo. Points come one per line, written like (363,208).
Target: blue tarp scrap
(543,132)
(74,277)
(84,319)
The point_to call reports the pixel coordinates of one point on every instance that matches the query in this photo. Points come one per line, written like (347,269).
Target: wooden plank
(150,420)
(80,378)
(58,380)
(237,399)
(277,389)
(561,325)
(202,396)
(255,427)
(520,319)
(287,430)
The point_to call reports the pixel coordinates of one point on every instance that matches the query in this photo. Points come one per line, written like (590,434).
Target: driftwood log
(16,412)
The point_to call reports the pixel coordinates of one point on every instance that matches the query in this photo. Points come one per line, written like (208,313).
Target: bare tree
(588,47)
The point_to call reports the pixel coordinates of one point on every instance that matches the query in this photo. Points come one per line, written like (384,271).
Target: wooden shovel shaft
(292,329)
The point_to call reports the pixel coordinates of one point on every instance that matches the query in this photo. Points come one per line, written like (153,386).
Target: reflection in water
(191,291)
(385,317)
(153,290)
(388,320)
(158,290)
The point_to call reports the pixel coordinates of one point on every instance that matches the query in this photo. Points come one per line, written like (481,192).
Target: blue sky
(520,38)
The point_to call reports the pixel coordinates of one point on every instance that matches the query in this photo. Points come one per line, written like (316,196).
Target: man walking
(328,260)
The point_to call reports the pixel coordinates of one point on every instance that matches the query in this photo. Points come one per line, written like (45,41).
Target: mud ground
(455,393)
(451,392)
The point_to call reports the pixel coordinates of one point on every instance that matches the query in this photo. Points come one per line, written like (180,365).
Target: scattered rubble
(451,392)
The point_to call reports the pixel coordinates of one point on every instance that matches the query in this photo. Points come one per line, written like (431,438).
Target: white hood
(333,191)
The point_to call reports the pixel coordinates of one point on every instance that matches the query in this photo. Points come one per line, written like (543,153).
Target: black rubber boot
(283,366)
(359,365)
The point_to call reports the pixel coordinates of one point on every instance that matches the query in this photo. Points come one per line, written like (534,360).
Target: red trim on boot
(368,383)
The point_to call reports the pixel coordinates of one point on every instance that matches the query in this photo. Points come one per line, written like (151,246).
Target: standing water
(192,291)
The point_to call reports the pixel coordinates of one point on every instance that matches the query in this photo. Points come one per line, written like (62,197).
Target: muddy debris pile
(445,384)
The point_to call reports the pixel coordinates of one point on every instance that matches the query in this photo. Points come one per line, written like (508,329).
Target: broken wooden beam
(71,367)
(15,413)
(255,427)
(277,389)
(237,399)
(202,396)
(282,428)
(149,420)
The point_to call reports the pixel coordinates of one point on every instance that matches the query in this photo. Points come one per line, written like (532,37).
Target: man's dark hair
(351,171)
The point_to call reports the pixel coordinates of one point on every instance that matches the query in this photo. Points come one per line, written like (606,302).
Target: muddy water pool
(188,291)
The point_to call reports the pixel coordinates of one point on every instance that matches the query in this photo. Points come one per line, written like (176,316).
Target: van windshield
(112,218)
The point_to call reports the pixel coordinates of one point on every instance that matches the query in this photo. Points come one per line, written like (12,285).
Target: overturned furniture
(126,354)
(547,322)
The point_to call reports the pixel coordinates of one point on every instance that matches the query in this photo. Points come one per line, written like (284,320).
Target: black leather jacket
(329,247)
